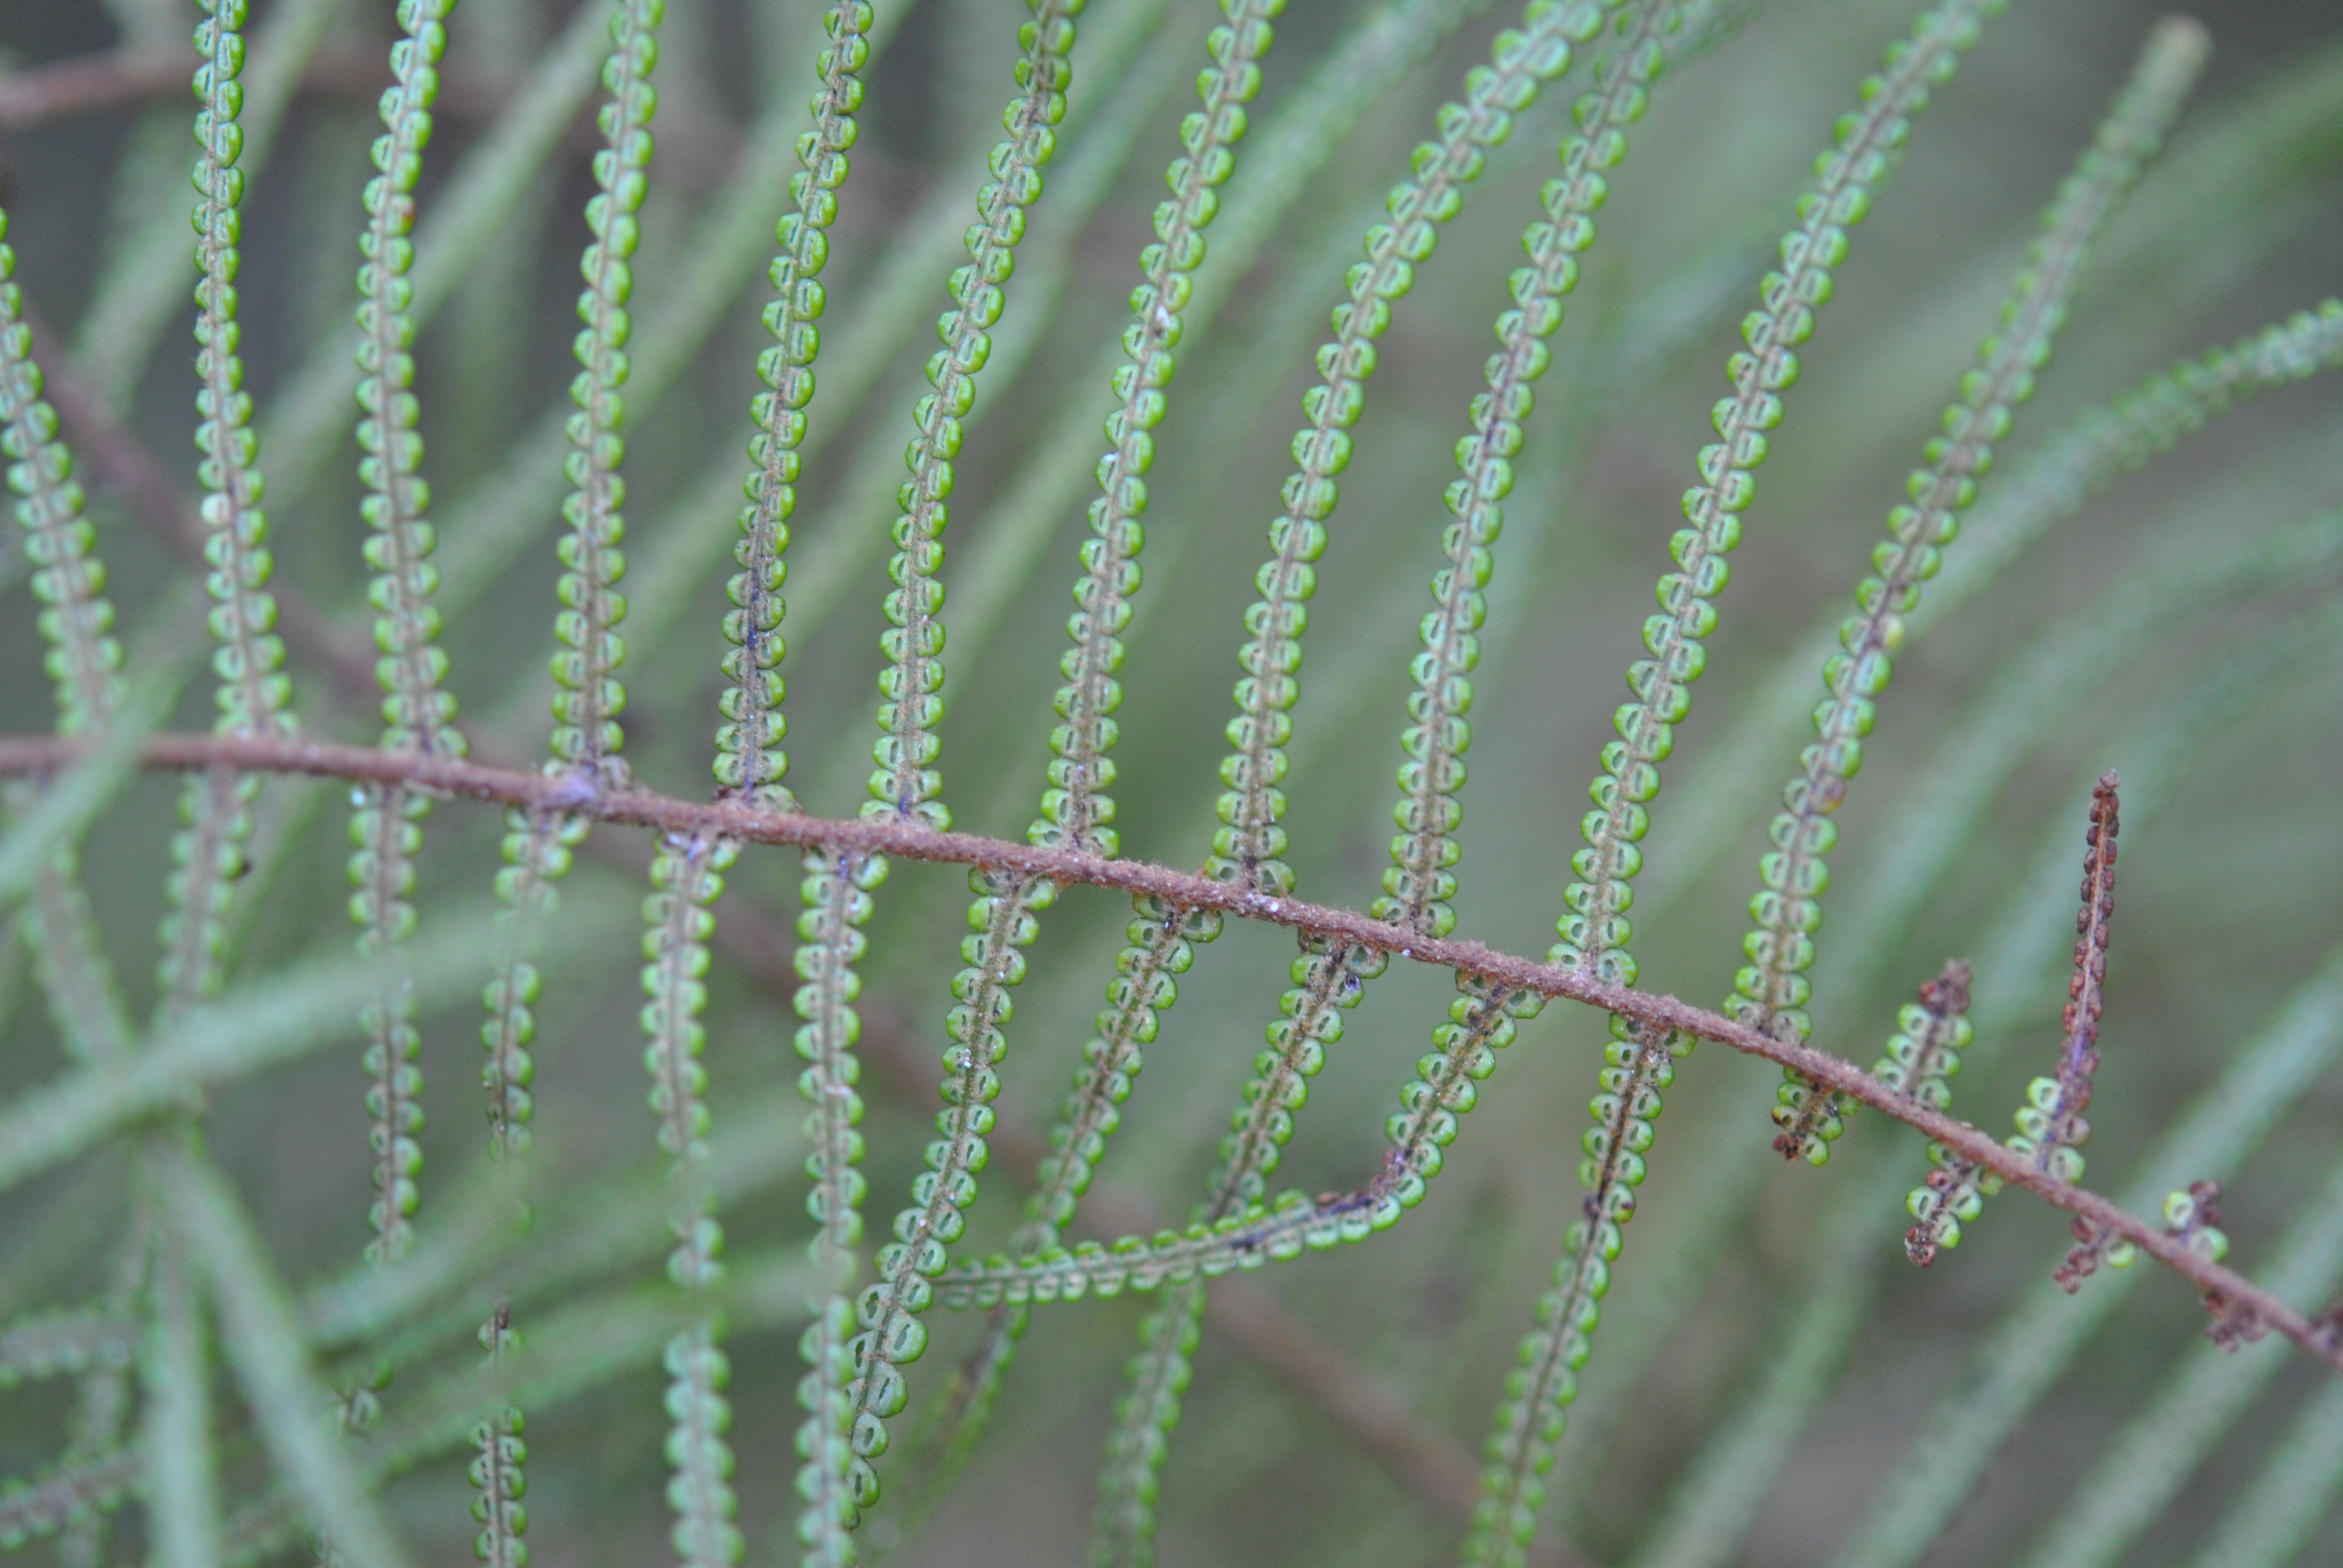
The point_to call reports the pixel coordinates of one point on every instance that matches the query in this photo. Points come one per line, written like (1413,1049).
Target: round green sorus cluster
(1161,943)
(1076,810)
(418,716)
(1596,932)
(67,576)
(700,1492)
(253,690)
(1953,1195)
(1247,844)
(386,832)
(906,781)
(498,1486)
(748,758)
(254,693)
(836,892)
(537,850)
(1529,1419)
(586,733)
(686,877)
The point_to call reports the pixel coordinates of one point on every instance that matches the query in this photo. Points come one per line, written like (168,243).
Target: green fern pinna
(250,1314)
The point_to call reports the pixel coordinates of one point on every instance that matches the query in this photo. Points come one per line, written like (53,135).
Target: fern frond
(1164,935)
(1484,1018)
(834,1482)
(751,764)
(67,576)
(700,1491)
(2098,446)
(469,215)
(30,1510)
(215,811)
(63,1344)
(586,735)
(905,782)
(417,715)
(2032,1345)
(1770,992)
(538,848)
(1247,848)
(2197,1404)
(688,877)
(1595,931)
(1005,916)
(586,738)
(140,287)
(498,1487)
(2050,1127)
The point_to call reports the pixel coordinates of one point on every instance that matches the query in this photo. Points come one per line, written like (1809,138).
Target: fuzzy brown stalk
(46,756)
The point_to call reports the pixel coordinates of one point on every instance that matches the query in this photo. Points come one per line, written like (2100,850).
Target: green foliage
(194,1368)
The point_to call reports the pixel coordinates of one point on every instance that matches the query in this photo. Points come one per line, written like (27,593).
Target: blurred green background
(2226,895)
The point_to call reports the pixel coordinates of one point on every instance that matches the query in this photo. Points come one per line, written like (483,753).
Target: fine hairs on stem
(2112,597)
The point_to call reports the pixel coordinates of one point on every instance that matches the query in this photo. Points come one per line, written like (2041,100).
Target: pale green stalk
(578,1348)
(2032,1343)
(180,1448)
(297,1012)
(2195,1405)
(260,1337)
(2291,1495)
(588,1231)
